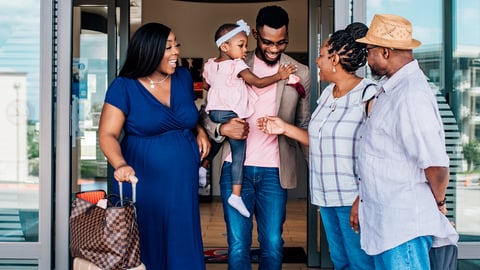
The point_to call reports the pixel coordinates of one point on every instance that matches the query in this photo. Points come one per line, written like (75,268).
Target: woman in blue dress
(152,102)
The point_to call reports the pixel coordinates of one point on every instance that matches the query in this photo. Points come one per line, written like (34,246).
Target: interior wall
(194,24)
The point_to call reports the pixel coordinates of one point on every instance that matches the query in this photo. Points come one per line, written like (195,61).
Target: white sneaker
(204,191)
(237,203)
(202,177)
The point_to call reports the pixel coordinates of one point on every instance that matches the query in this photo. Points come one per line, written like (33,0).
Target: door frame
(63,135)
(39,251)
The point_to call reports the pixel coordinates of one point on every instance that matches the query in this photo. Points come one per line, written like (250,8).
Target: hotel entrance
(57,58)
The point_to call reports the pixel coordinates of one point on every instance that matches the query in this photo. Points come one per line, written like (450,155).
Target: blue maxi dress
(160,146)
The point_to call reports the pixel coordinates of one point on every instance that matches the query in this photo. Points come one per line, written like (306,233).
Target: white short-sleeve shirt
(402,136)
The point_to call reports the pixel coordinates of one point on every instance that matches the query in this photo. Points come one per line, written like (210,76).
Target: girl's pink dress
(228,91)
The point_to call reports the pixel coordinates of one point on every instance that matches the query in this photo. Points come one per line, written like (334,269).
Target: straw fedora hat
(390,31)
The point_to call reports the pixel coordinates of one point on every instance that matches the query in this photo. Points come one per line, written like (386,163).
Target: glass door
(97,34)
(99,37)
(321,14)
(25,159)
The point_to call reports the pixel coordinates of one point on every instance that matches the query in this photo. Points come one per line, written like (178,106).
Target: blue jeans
(344,243)
(238,147)
(263,196)
(411,255)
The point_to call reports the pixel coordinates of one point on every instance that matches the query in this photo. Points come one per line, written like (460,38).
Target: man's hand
(438,178)
(235,128)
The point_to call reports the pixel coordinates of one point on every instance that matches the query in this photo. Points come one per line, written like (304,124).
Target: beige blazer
(292,109)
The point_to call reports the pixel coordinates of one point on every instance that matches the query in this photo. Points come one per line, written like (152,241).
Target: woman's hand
(277,126)
(123,173)
(354,216)
(203,142)
(271,125)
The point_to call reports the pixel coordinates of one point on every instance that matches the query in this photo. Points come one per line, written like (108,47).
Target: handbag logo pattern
(106,237)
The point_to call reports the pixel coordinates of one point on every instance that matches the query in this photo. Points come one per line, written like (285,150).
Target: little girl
(225,78)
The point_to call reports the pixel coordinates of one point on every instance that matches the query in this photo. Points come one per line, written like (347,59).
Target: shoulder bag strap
(369,100)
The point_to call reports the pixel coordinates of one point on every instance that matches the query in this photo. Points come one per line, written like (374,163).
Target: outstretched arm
(275,125)
(283,72)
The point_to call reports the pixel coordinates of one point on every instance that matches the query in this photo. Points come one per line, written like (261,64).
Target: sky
(426,18)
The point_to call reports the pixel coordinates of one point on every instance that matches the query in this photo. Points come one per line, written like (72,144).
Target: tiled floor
(214,233)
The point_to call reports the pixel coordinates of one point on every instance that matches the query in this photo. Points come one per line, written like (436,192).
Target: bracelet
(442,202)
(123,165)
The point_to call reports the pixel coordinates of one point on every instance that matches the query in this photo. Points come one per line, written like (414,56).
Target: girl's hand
(285,70)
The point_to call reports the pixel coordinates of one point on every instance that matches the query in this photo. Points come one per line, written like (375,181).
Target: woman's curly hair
(353,55)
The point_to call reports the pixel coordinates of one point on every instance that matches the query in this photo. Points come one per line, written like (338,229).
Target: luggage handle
(133,181)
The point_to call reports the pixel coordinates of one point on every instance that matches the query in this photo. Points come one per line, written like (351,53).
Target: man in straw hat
(403,165)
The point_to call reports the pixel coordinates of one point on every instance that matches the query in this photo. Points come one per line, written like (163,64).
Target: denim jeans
(263,196)
(411,255)
(344,243)
(238,147)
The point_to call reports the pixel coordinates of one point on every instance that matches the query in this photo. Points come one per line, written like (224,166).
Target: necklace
(152,82)
(333,105)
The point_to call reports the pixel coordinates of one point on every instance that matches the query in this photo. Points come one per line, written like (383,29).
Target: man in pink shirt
(270,164)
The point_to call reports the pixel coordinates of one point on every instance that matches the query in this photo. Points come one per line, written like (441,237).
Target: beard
(261,55)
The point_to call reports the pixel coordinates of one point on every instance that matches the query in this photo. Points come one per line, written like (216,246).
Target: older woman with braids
(333,134)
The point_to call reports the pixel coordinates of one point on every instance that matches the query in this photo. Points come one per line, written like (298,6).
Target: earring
(334,69)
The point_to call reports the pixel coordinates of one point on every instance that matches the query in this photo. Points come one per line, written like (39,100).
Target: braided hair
(353,55)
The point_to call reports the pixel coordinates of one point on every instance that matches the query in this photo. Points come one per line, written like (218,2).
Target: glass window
(456,83)
(90,81)
(89,92)
(19,102)
(466,86)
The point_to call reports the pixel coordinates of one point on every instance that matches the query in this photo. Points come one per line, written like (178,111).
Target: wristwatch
(442,202)
(217,130)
